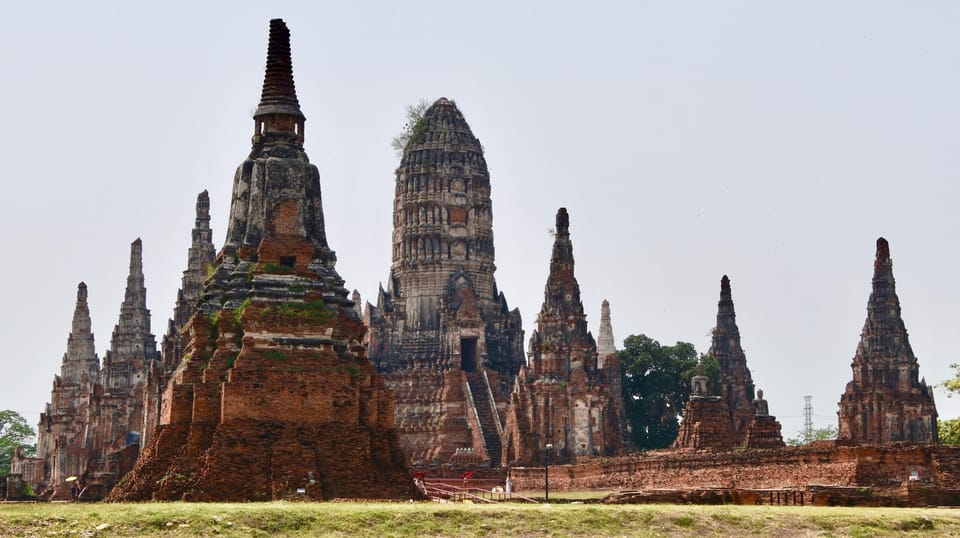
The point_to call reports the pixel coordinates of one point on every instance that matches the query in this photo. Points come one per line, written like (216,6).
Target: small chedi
(737,417)
(274,397)
(563,403)
(441,333)
(62,443)
(886,401)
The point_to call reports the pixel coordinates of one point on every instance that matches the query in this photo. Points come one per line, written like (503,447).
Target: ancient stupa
(886,401)
(274,397)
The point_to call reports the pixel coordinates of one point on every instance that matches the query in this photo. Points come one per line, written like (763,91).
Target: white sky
(771,141)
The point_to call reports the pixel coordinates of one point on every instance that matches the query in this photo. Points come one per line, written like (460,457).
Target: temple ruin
(886,401)
(563,403)
(61,441)
(274,397)
(441,333)
(738,416)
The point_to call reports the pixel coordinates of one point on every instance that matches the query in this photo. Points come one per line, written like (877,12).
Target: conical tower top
(279,94)
(279,109)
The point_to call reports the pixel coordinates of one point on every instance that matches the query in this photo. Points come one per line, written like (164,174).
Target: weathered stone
(115,423)
(274,393)
(562,398)
(61,441)
(736,385)
(886,401)
(441,333)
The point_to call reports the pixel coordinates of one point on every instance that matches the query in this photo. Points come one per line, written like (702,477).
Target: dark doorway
(468,354)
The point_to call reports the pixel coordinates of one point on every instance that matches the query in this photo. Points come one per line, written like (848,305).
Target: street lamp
(546,472)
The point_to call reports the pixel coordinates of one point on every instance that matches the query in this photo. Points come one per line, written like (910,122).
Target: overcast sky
(769,141)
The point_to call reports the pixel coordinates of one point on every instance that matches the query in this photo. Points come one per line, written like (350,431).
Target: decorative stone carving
(441,333)
(274,394)
(562,398)
(886,401)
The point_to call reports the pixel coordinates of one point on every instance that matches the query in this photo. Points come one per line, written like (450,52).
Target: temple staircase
(490,426)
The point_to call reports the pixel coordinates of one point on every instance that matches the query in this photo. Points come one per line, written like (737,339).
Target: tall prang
(562,402)
(115,422)
(442,333)
(62,428)
(274,397)
(886,401)
(201,257)
(736,384)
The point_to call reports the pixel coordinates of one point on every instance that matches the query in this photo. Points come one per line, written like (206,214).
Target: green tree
(949,431)
(818,434)
(14,432)
(656,387)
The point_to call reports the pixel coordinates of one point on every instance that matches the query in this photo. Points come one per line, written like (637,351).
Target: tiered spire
(606,344)
(736,383)
(81,355)
(132,345)
(886,401)
(561,341)
(278,117)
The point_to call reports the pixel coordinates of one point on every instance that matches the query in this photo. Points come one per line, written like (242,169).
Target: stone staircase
(489,421)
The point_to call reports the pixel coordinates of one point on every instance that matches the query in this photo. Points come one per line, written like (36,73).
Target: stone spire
(886,401)
(81,356)
(279,94)
(562,398)
(62,425)
(561,341)
(200,259)
(441,310)
(274,380)
(735,380)
(606,345)
(132,346)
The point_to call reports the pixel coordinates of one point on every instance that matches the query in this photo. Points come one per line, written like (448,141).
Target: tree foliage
(413,128)
(656,387)
(949,431)
(818,434)
(14,432)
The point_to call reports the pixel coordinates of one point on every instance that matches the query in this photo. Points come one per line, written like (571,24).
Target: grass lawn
(427,519)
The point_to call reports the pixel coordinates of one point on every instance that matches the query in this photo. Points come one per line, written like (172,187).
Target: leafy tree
(953,385)
(14,432)
(656,387)
(818,434)
(413,128)
(949,431)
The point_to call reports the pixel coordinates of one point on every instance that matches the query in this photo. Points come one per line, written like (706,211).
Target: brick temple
(442,333)
(564,401)
(737,417)
(886,401)
(274,397)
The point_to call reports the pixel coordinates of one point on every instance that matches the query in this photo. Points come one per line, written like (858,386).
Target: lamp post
(546,472)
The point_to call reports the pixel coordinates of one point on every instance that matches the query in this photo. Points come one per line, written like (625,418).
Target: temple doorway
(468,354)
